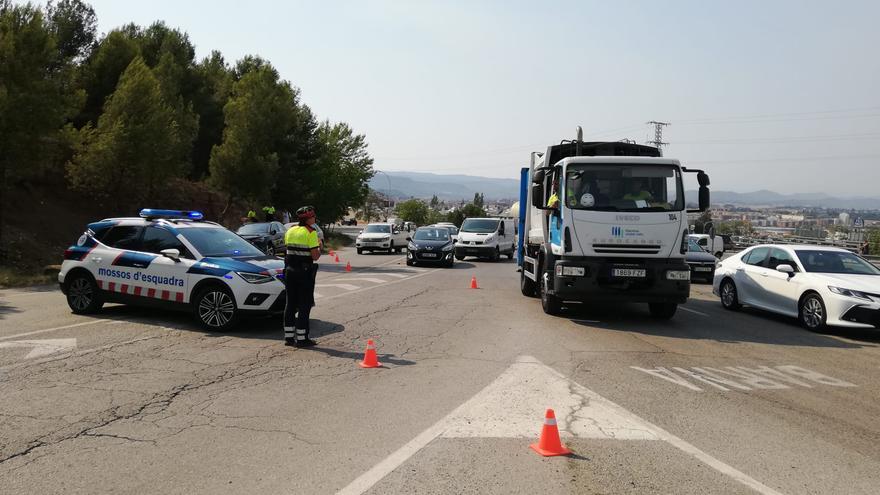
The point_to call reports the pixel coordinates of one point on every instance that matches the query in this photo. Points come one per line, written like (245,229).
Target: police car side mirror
(171,253)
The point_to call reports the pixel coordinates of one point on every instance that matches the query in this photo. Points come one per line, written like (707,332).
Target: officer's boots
(302,338)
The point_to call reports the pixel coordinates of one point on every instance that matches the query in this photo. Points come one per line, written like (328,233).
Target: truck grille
(626,248)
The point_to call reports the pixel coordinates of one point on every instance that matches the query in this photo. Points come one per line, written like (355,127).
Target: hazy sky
(780,95)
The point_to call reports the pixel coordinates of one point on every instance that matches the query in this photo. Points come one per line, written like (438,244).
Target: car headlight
(411,247)
(850,293)
(489,238)
(255,278)
(386,237)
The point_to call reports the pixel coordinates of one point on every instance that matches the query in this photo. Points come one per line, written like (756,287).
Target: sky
(778,95)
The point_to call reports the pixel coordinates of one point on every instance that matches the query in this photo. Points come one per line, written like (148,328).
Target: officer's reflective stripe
(288,332)
(298,252)
(301,331)
(550,421)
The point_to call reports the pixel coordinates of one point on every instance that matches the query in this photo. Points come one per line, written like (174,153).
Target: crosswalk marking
(365,279)
(340,286)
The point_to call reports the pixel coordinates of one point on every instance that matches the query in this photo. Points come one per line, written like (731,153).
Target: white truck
(603,222)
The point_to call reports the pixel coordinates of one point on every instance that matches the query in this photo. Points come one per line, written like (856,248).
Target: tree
(469,210)
(35,94)
(257,117)
(413,210)
(134,148)
(435,202)
(478,200)
(701,221)
(213,88)
(74,26)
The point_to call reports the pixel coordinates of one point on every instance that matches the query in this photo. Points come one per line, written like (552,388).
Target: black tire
(214,308)
(360,251)
(812,313)
(729,295)
(399,250)
(391,247)
(83,294)
(527,286)
(459,257)
(410,263)
(662,311)
(510,255)
(549,303)
(496,255)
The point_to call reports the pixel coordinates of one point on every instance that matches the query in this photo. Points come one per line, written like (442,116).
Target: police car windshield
(377,229)
(479,226)
(219,243)
(253,228)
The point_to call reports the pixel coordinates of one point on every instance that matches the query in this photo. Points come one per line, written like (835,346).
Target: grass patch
(11,277)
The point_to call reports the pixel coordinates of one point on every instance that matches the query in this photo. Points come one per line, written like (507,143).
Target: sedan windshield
(254,228)
(217,243)
(377,229)
(835,262)
(610,187)
(432,235)
(479,225)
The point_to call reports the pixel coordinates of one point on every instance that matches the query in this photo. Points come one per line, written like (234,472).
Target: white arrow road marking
(42,348)
(340,286)
(365,279)
(45,330)
(513,406)
(395,275)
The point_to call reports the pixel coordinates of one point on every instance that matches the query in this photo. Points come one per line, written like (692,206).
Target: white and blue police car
(174,259)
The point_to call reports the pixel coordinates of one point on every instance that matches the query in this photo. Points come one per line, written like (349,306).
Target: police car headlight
(255,278)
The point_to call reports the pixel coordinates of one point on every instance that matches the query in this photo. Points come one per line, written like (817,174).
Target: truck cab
(606,222)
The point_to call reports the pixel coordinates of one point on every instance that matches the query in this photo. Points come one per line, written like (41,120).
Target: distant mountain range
(446,187)
(402,185)
(770,198)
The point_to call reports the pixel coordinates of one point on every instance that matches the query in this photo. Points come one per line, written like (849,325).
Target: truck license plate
(629,272)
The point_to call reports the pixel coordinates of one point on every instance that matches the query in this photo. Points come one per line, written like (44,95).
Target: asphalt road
(140,401)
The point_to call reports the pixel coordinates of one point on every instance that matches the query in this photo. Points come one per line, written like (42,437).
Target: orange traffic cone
(549,444)
(370,359)
(474,283)
(337,258)
(348,266)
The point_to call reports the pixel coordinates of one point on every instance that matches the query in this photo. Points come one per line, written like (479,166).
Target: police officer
(302,252)
(269,213)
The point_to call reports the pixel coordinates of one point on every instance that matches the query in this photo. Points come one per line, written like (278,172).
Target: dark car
(702,263)
(266,236)
(728,242)
(431,245)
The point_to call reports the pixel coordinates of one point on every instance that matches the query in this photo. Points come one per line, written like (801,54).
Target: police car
(174,259)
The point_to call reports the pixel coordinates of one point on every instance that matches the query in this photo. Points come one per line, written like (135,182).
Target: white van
(713,246)
(486,238)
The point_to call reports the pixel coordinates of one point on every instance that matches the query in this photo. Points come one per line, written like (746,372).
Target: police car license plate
(702,269)
(629,272)
(429,255)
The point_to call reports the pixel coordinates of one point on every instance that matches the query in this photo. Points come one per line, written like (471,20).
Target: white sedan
(817,285)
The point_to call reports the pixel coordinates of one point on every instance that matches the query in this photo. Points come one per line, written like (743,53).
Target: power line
(788,139)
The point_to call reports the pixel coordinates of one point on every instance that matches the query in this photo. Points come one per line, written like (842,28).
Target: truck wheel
(214,308)
(662,311)
(83,295)
(550,303)
(527,286)
(510,255)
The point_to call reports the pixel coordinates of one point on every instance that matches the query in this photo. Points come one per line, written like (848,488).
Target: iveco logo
(628,218)
(616,232)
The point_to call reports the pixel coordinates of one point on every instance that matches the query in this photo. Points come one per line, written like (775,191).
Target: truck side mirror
(538,195)
(704,198)
(703,179)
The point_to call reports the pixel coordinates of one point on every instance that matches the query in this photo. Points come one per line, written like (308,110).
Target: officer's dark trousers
(300,289)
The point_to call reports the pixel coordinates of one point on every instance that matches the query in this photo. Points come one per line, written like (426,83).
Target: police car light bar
(154,213)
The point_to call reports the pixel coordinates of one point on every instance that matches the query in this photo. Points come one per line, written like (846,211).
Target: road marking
(36,332)
(365,279)
(378,286)
(743,378)
(42,348)
(340,286)
(395,275)
(689,310)
(29,293)
(512,406)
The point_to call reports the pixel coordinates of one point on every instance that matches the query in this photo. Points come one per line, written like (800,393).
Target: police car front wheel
(83,295)
(215,309)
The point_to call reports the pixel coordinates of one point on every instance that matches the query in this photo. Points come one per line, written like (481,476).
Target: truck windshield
(612,187)
(479,225)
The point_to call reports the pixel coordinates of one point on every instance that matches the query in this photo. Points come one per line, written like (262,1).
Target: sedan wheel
(215,309)
(729,297)
(812,312)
